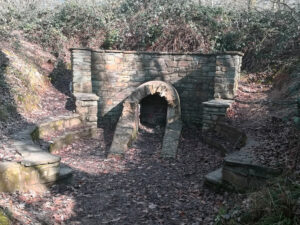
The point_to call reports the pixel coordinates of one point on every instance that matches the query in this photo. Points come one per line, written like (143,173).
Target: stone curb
(240,172)
(37,168)
(159,53)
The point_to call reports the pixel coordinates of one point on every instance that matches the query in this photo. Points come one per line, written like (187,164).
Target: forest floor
(144,189)
(139,189)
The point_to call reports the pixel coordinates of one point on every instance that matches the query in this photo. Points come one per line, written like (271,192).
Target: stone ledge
(241,172)
(39,158)
(159,53)
(32,154)
(218,103)
(37,168)
(55,124)
(69,137)
(244,163)
(214,179)
(86,96)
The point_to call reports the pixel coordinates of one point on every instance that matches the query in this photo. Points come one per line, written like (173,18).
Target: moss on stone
(35,135)
(4,220)
(3,113)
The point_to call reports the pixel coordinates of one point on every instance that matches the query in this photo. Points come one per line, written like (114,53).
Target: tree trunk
(251,4)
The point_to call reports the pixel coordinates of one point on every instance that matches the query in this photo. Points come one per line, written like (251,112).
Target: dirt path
(144,189)
(269,122)
(139,189)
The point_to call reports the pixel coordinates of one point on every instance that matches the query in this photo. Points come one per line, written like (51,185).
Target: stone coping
(86,96)
(32,155)
(218,103)
(71,136)
(37,167)
(161,53)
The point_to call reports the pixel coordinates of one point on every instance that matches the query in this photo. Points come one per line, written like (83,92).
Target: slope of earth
(139,189)
(265,114)
(26,93)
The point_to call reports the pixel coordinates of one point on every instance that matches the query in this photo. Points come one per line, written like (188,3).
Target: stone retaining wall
(114,75)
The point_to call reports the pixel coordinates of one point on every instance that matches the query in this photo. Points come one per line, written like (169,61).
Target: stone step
(71,136)
(244,163)
(36,169)
(65,173)
(52,125)
(297,122)
(241,171)
(39,158)
(214,178)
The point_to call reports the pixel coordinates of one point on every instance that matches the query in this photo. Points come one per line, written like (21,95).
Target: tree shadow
(10,118)
(61,78)
(142,188)
(194,86)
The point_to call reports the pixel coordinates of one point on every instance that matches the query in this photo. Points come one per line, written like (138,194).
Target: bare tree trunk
(251,4)
(279,4)
(275,6)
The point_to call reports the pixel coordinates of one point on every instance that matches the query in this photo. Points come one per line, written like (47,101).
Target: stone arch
(127,126)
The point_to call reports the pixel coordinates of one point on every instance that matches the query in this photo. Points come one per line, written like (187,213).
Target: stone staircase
(38,168)
(241,171)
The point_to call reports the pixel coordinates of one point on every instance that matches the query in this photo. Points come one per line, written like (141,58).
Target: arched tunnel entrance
(156,99)
(153,111)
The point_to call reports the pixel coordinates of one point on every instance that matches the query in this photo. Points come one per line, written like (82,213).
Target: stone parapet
(87,107)
(214,111)
(228,70)
(81,67)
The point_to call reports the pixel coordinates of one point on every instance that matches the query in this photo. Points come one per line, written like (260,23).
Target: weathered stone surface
(241,172)
(214,111)
(65,173)
(15,177)
(218,103)
(37,168)
(55,124)
(115,75)
(39,158)
(81,67)
(127,126)
(214,178)
(86,97)
(69,137)
(87,107)
(4,220)
(171,139)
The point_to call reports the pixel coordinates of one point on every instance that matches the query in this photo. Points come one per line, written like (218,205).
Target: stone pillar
(87,108)
(81,68)
(228,70)
(214,111)
(86,102)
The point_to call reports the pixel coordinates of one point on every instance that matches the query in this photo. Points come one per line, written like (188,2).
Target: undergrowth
(278,203)
(268,38)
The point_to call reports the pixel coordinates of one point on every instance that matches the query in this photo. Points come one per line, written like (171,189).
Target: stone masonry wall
(116,74)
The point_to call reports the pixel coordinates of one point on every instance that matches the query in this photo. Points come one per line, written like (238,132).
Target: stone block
(238,181)
(93,110)
(183,64)
(91,118)
(82,110)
